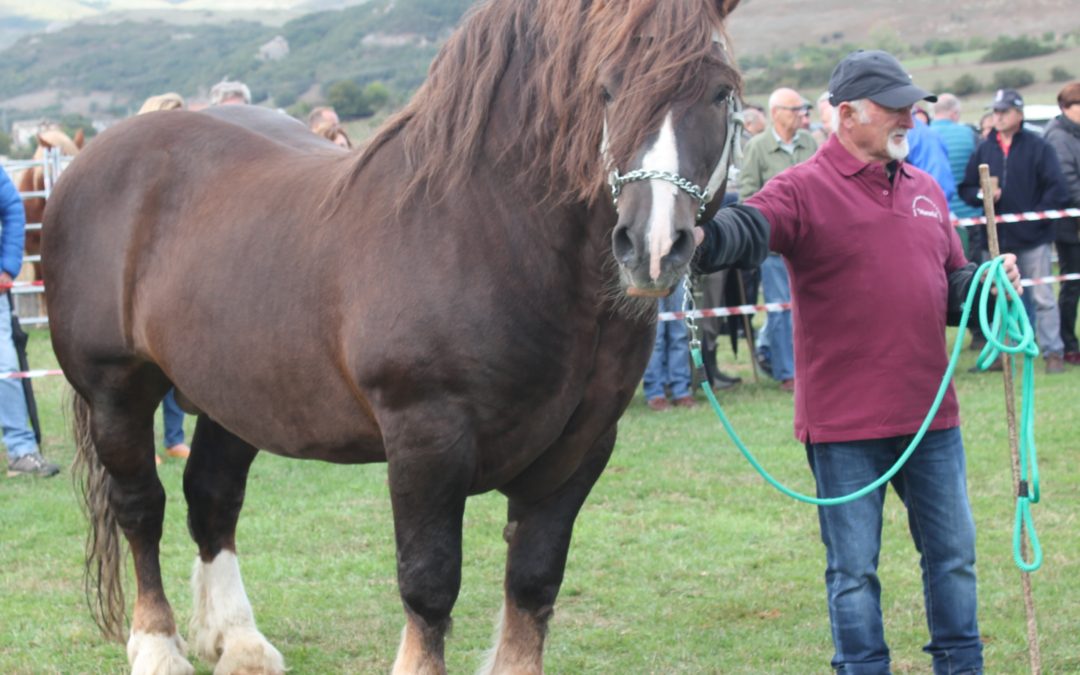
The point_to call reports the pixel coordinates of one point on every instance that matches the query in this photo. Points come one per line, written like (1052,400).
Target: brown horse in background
(33,180)
(451,300)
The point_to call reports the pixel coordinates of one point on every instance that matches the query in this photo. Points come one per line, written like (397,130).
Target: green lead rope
(1008,331)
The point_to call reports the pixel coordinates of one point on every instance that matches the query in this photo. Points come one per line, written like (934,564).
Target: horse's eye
(605,95)
(721,97)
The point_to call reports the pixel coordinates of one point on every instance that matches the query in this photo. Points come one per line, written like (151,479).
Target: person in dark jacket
(1029,179)
(1063,134)
(877,269)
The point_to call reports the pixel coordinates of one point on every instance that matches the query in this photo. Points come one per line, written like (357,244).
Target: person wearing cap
(1063,133)
(1029,178)
(877,271)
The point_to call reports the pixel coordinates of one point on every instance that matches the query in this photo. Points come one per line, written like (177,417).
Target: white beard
(898,151)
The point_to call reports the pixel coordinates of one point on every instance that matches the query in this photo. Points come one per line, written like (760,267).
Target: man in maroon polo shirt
(876,271)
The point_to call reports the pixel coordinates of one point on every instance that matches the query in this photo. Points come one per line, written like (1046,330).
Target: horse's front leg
(430,470)
(538,533)
(222,629)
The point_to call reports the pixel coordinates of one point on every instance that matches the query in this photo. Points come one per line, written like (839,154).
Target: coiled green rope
(1008,330)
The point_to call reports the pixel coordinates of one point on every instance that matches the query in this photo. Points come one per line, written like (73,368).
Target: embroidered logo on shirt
(924,206)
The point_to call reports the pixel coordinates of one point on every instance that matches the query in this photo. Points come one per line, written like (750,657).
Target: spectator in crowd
(784,145)
(841,218)
(986,125)
(228,92)
(927,151)
(169,101)
(334,133)
(24,456)
(919,113)
(960,141)
(172,416)
(1029,179)
(669,365)
(1063,134)
(322,115)
(753,121)
(824,124)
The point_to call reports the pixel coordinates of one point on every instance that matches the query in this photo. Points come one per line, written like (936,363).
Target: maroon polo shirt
(868,262)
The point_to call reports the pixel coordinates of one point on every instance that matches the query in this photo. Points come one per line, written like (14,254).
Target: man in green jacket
(784,144)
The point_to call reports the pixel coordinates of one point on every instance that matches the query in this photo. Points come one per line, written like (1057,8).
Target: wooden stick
(988,188)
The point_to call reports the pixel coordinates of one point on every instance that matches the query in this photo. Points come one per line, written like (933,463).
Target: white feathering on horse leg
(154,654)
(222,629)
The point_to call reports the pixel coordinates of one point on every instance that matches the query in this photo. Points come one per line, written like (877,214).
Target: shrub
(939,47)
(1013,78)
(1060,74)
(966,85)
(1009,49)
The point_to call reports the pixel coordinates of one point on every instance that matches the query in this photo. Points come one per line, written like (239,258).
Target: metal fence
(27,297)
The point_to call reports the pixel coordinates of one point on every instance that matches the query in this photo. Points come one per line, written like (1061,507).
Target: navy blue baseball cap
(875,75)
(1007,98)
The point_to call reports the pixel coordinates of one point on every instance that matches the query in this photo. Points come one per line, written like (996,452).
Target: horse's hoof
(155,654)
(247,652)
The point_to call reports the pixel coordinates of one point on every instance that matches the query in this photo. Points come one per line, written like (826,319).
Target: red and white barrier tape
(1052,214)
(29,374)
(739,310)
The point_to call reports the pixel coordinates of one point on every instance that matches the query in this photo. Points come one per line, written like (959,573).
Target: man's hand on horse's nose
(699,236)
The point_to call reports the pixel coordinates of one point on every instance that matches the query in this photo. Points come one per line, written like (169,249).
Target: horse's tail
(103,576)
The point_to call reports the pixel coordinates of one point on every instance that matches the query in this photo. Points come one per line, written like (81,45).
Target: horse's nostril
(682,249)
(622,245)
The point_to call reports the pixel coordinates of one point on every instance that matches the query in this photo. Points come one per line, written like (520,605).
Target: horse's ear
(80,137)
(42,142)
(726,7)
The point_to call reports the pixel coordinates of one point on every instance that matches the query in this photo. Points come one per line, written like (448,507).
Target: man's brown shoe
(1055,364)
(685,402)
(658,404)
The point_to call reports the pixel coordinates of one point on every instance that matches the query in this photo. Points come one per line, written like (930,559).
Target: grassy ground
(684,561)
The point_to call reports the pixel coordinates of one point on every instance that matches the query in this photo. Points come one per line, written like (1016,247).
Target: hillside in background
(127,50)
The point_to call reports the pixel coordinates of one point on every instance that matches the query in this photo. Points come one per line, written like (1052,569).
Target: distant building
(23,131)
(274,50)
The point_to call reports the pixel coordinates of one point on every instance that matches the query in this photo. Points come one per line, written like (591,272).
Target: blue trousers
(669,364)
(933,488)
(14,415)
(777,332)
(173,418)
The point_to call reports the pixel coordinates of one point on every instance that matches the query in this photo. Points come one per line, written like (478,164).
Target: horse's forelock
(561,47)
(661,51)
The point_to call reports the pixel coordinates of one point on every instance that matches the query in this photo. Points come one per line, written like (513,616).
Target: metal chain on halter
(688,318)
(700,194)
(616,181)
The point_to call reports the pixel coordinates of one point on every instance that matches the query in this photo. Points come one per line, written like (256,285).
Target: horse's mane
(553,50)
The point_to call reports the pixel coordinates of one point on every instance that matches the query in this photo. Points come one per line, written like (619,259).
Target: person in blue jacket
(24,456)
(1029,179)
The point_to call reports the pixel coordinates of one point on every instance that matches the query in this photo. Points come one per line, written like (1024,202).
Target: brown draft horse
(455,300)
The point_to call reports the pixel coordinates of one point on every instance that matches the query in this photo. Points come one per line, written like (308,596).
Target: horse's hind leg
(222,629)
(115,438)
(538,533)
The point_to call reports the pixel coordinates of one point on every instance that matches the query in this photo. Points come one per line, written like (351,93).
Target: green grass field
(684,560)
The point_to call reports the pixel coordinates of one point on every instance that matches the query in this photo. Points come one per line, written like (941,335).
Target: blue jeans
(777,288)
(670,361)
(14,416)
(933,488)
(173,418)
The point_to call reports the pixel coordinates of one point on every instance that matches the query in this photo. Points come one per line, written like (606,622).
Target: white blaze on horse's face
(662,156)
